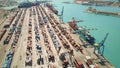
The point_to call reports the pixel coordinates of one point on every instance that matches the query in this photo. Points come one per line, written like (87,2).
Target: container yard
(35,37)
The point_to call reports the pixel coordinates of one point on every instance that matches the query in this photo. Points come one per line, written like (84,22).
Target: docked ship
(52,8)
(82,31)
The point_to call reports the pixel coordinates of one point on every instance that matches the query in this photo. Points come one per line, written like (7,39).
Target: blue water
(103,23)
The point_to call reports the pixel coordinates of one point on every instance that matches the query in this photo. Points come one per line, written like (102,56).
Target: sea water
(103,23)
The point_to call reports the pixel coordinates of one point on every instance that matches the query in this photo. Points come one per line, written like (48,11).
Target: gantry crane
(61,15)
(100,47)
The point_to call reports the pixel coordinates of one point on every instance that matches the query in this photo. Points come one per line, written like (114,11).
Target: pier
(97,3)
(91,10)
(37,38)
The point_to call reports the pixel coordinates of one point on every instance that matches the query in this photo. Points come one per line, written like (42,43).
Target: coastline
(98,3)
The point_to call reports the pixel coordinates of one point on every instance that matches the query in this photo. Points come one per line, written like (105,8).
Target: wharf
(36,38)
(91,10)
(97,3)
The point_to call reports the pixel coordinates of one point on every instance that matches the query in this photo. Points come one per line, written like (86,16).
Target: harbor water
(102,23)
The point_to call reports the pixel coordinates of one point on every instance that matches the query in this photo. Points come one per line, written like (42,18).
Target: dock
(91,10)
(98,3)
(37,38)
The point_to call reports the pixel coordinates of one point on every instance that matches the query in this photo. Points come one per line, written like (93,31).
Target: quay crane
(61,15)
(82,31)
(100,47)
(86,36)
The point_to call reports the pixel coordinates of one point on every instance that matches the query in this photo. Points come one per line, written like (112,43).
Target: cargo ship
(81,31)
(52,8)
